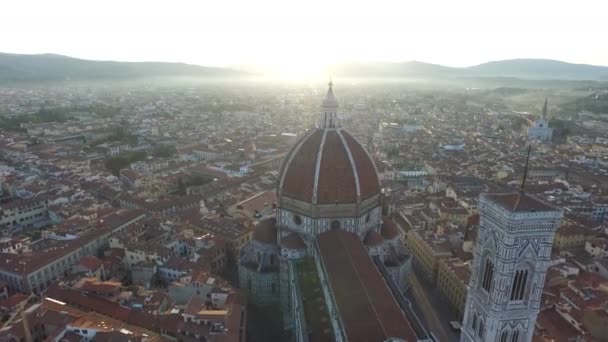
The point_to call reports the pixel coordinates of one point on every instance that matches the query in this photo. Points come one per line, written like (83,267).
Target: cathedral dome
(266,231)
(328,166)
(373,238)
(388,229)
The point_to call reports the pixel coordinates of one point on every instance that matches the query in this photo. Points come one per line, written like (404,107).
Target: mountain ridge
(55,67)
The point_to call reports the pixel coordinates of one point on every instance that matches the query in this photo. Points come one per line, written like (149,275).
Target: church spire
(329,115)
(545,109)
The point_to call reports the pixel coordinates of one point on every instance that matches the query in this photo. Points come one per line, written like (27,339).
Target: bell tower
(511,257)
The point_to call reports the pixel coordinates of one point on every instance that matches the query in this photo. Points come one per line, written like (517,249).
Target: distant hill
(51,67)
(535,69)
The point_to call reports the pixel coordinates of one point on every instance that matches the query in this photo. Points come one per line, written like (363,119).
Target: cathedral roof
(266,231)
(329,166)
(293,241)
(373,238)
(389,229)
(366,305)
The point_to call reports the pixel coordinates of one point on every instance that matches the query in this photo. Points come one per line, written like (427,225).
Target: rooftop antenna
(523,181)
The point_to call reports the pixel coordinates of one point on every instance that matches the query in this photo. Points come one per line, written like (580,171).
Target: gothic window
(480,331)
(515,337)
(518,288)
(297,220)
(367,218)
(474,324)
(272,288)
(335,224)
(272,259)
(488,275)
(504,336)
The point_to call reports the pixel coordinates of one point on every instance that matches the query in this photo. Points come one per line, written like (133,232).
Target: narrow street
(438,325)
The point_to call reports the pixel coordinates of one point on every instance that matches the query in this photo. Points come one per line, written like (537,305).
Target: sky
(299,36)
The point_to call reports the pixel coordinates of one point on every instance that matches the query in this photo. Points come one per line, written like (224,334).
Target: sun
(298,68)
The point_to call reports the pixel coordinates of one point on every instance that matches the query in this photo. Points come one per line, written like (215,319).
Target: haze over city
(273,171)
(296,38)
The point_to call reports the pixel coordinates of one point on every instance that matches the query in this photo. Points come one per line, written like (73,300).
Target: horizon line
(260,65)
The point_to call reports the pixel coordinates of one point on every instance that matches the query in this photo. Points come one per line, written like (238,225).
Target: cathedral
(336,266)
(540,129)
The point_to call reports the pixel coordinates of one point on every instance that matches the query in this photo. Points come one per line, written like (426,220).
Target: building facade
(511,257)
(540,129)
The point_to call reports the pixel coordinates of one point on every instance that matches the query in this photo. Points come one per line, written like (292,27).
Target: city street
(437,323)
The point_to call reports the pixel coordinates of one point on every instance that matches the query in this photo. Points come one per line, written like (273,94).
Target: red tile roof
(367,307)
(91,263)
(389,229)
(12,301)
(299,178)
(520,202)
(266,231)
(293,241)
(373,238)
(368,177)
(337,180)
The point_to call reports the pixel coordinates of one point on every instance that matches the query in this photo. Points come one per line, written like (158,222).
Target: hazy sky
(297,36)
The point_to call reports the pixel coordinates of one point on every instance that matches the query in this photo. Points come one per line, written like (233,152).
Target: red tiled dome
(293,241)
(266,231)
(373,238)
(389,229)
(328,166)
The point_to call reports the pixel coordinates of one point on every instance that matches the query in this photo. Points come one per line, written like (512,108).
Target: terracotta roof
(389,229)
(520,202)
(293,241)
(337,181)
(336,178)
(12,301)
(368,177)
(266,231)
(299,174)
(373,238)
(90,262)
(366,305)
(554,327)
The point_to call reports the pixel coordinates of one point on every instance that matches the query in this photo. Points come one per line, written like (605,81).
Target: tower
(540,129)
(511,257)
(329,111)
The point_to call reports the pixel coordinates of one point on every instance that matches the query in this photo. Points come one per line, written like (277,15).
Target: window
(297,220)
(480,331)
(488,275)
(272,288)
(474,324)
(504,336)
(518,288)
(335,224)
(515,337)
